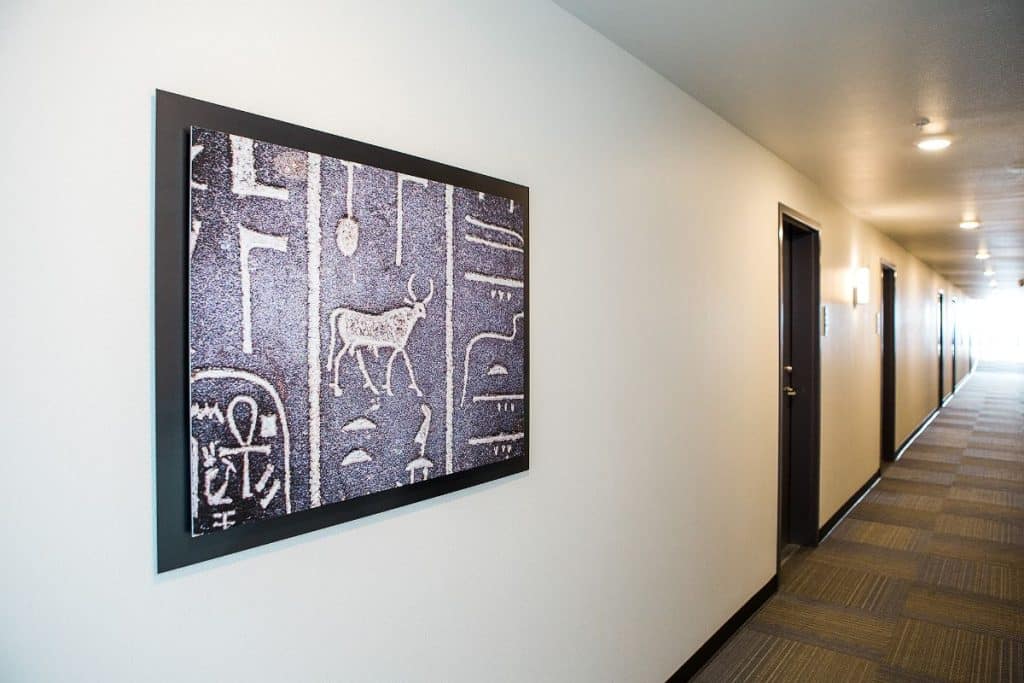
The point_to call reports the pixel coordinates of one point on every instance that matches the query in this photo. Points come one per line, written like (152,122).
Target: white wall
(648,516)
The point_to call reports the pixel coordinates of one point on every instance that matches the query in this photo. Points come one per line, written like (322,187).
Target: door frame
(888,451)
(952,343)
(942,347)
(810,534)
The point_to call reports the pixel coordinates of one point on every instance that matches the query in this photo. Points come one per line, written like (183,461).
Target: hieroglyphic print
(352,329)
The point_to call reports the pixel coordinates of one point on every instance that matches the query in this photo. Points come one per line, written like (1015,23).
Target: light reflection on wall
(999,326)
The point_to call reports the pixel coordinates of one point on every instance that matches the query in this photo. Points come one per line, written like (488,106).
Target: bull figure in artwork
(375,331)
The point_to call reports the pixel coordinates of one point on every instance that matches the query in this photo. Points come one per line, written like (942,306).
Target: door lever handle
(789,391)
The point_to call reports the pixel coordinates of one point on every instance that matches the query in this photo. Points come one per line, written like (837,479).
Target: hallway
(924,580)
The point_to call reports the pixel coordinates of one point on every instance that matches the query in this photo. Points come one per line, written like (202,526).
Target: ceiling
(835,88)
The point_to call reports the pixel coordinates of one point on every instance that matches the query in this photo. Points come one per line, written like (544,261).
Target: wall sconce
(861,283)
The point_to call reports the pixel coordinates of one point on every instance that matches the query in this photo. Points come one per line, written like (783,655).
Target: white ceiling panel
(835,88)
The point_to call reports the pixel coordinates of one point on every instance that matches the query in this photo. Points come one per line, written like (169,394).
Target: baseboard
(928,420)
(962,382)
(914,434)
(956,387)
(708,650)
(847,506)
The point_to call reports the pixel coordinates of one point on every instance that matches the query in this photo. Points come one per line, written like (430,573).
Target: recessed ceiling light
(982,255)
(989,272)
(970,225)
(993,284)
(933,144)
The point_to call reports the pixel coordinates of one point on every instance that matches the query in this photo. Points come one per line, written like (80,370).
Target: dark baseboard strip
(962,382)
(708,650)
(956,387)
(824,531)
(928,420)
(914,434)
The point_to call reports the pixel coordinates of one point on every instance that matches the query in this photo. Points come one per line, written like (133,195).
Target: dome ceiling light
(933,144)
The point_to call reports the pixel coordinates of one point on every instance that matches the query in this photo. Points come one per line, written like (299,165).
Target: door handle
(789,391)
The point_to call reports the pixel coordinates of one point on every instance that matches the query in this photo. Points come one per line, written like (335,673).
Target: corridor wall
(648,515)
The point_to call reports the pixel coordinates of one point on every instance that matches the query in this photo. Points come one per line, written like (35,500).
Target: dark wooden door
(942,349)
(953,344)
(785,422)
(799,407)
(888,363)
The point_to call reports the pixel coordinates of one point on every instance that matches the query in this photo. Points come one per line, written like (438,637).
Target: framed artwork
(340,329)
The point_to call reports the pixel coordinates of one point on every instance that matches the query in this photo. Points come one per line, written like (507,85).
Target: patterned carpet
(924,580)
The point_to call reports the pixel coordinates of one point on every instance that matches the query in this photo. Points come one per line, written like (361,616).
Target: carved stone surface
(351,329)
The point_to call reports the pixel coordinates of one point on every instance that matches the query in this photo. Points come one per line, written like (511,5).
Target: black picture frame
(175,114)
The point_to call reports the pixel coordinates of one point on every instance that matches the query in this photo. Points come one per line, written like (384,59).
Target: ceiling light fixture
(982,255)
(933,144)
(989,272)
(970,225)
(993,284)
